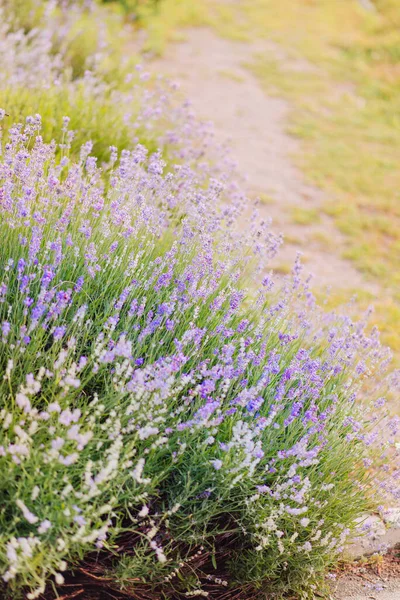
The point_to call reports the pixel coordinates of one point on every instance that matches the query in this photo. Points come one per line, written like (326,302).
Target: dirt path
(376,580)
(211,73)
(351,588)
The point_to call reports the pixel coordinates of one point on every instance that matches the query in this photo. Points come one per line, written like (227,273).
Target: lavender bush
(151,394)
(72,61)
(170,412)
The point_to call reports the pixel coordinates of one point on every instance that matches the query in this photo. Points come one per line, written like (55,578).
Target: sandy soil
(376,580)
(350,588)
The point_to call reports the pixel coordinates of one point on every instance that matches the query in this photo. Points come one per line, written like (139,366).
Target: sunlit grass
(305,216)
(89,115)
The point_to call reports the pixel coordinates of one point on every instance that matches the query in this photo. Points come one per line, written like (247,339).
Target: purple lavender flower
(217,464)
(59,332)
(5,329)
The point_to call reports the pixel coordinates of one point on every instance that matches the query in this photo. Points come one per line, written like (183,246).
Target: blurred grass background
(345,100)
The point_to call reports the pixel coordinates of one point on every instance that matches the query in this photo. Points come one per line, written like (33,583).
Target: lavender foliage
(157,380)
(146,384)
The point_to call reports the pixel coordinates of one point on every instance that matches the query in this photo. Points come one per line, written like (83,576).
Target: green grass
(265,199)
(167,23)
(93,117)
(305,216)
(25,14)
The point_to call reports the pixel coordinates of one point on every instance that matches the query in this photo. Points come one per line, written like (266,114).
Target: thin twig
(94,576)
(73,595)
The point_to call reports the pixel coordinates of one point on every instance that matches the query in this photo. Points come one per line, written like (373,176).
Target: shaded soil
(375,578)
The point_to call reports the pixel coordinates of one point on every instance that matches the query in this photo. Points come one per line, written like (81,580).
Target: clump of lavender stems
(161,390)
(157,380)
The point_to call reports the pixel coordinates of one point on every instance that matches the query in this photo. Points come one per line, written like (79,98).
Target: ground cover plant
(171,413)
(146,391)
